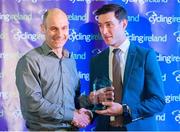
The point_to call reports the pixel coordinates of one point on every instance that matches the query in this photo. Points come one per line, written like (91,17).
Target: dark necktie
(117,83)
(117,79)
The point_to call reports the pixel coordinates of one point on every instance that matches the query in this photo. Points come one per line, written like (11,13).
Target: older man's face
(56,29)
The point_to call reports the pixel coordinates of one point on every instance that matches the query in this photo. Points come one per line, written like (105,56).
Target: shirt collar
(47,50)
(123,47)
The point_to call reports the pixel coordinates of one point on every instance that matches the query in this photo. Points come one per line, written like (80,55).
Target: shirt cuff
(68,115)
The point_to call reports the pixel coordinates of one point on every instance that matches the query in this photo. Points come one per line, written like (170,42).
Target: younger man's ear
(125,23)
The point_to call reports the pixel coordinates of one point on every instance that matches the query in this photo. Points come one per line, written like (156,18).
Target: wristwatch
(126,114)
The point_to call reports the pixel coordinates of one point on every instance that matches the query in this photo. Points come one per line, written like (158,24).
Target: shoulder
(71,61)
(102,55)
(31,56)
(68,56)
(143,51)
(34,53)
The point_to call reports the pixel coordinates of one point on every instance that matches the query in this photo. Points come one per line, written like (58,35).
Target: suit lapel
(105,61)
(129,65)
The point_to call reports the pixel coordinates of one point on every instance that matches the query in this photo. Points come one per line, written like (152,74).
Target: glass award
(98,85)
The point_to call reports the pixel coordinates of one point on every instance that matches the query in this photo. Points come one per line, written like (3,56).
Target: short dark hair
(119,11)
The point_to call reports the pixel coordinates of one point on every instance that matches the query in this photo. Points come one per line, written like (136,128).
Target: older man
(48,82)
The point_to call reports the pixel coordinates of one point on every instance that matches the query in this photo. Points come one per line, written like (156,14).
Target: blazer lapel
(129,65)
(105,64)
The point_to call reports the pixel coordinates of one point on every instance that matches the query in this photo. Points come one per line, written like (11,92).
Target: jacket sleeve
(152,98)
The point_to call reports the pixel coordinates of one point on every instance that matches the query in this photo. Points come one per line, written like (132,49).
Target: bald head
(55,27)
(54,12)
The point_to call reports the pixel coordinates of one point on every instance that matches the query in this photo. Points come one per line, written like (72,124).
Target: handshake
(83,117)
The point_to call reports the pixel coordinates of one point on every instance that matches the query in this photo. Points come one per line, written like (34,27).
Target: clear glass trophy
(98,85)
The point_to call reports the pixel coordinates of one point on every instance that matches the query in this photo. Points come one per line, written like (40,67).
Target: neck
(58,52)
(119,43)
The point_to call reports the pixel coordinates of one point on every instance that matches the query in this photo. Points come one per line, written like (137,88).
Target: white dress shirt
(123,57)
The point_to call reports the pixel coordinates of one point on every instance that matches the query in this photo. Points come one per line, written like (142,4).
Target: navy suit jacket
(142,86)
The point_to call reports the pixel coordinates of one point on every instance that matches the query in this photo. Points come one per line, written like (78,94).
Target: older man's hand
(82,118)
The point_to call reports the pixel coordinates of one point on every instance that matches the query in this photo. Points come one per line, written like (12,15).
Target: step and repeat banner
(152,23)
